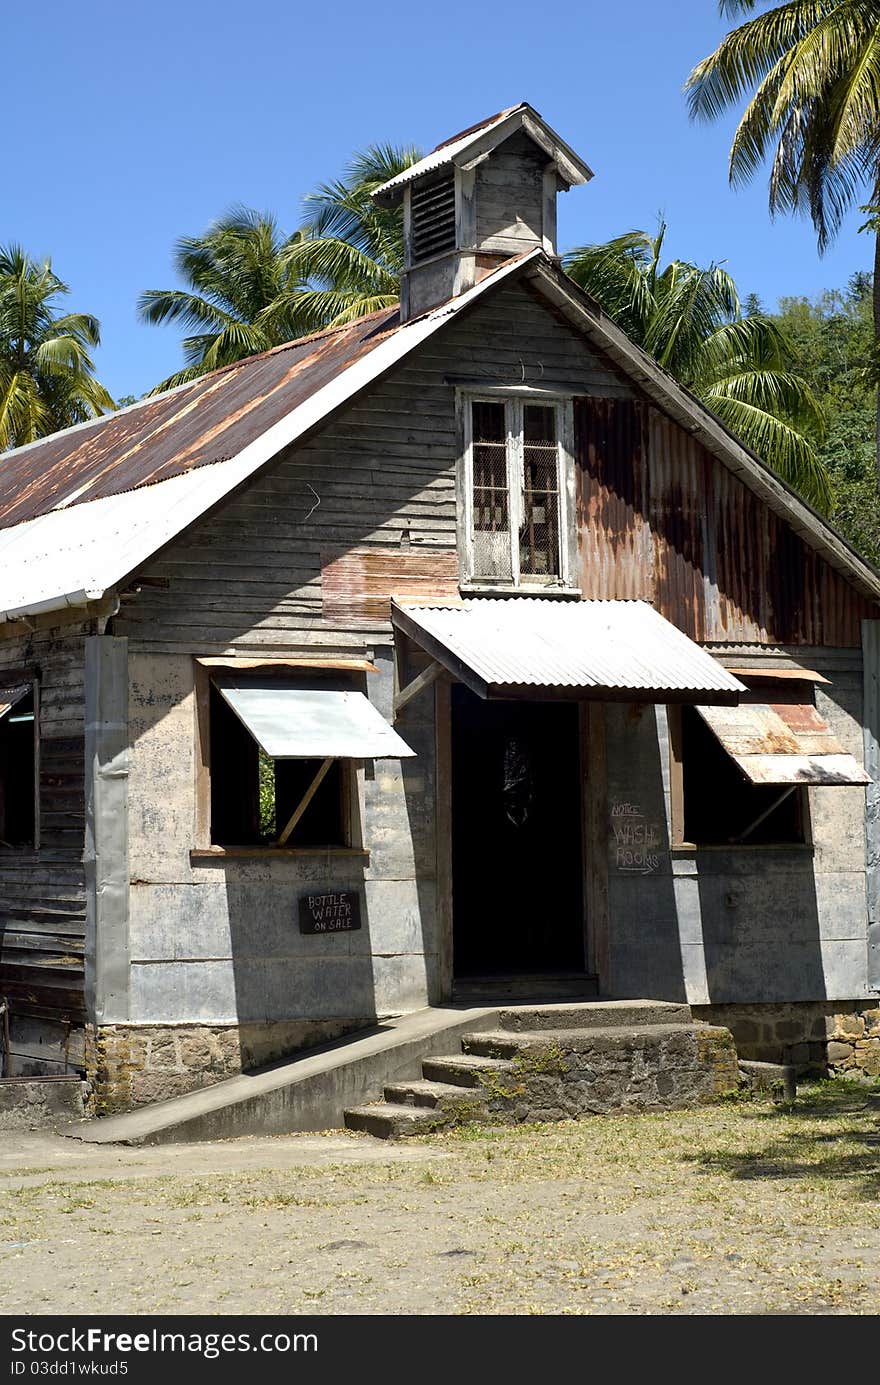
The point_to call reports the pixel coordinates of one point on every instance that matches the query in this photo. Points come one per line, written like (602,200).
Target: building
(457,645)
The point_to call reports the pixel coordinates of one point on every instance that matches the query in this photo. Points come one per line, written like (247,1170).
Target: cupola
(478,199)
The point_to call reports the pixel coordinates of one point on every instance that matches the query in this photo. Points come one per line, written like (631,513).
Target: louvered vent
(433,219)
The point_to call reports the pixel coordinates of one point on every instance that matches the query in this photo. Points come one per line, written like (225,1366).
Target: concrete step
(422,1093)
(464,1070)
(503,1045)
(387,1120)
(599,1014)
(309,1091)
(494,990)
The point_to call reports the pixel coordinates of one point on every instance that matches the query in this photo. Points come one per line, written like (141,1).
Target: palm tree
(351,253)
(241,297)
(811,69)
(691,321)
(47,377)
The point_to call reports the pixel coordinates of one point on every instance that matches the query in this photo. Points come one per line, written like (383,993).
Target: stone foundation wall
(817,1036)
(135,1065)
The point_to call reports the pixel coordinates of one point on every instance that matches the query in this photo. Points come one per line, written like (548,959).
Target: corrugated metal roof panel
(786,743)
(208,421)
(588,648)
(308,724)
(73,553)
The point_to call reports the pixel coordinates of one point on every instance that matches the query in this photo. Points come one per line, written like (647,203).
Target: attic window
(517,468)
(432,211)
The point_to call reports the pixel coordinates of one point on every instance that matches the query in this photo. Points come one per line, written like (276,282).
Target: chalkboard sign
(330,913)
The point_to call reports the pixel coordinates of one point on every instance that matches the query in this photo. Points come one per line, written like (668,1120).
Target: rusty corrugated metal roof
(85,508)
(579,648)
(210,420)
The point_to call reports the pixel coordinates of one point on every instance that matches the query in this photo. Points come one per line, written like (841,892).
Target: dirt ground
(736,1208)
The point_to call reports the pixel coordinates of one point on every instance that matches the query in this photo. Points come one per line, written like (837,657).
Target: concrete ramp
(307,1092)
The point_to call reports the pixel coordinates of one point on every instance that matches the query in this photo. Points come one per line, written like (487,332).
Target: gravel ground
(735,1208)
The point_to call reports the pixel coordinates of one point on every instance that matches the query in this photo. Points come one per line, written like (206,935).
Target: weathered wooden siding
(509,197)
(42,892)
(663,520)
(378,478)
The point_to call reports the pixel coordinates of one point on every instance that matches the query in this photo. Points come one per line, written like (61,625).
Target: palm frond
(777,443)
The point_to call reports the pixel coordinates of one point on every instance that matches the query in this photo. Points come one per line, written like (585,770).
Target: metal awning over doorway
(534,647)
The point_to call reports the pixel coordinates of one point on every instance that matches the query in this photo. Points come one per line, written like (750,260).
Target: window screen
(539,534)
(491,497)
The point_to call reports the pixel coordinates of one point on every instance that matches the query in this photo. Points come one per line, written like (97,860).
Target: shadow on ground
(831,1132)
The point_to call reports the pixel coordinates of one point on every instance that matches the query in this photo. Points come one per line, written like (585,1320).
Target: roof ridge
(480,124)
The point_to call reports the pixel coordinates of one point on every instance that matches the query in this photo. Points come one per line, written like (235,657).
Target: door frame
(594,863)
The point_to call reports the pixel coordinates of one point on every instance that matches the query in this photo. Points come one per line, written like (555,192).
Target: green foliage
(832,347)
(811,71)
(47,376)
(241,297)
(691,321)
(266,767)
(351,251)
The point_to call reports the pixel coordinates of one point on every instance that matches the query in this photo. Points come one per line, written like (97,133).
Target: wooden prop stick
(306,800)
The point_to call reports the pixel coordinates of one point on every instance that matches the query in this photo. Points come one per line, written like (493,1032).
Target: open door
(517,853)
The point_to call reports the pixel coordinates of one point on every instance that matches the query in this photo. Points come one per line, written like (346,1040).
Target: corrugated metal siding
(663,520)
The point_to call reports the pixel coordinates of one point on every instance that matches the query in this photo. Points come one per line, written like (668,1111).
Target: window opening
(254,797)
(721,806)
(17,770)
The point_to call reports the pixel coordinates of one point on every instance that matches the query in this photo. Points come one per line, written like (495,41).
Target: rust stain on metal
(359,585)
(661,519)
(209,420)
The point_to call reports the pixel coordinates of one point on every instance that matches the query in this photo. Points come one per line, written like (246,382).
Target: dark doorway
(517,864)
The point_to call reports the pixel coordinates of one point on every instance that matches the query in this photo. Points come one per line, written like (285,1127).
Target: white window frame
(515,399)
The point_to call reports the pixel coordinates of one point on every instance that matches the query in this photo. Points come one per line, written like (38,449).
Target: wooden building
(459,647)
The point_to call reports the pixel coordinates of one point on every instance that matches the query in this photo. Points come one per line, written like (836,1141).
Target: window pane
(539,535)
(491,534)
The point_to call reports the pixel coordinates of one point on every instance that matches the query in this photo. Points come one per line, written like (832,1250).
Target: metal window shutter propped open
(786,743)
(310,724)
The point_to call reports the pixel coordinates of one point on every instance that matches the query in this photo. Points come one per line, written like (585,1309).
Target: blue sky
(142,122)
